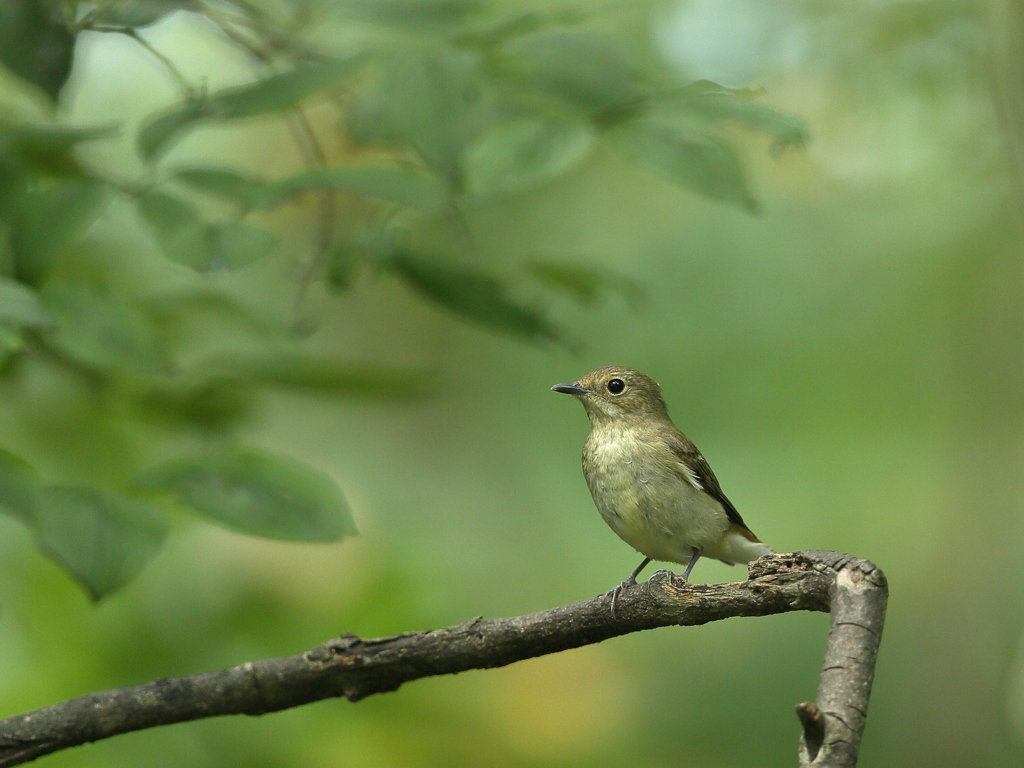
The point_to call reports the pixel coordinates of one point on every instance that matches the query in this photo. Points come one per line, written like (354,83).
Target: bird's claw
(618,590)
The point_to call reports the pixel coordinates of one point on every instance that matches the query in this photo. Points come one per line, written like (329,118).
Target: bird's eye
(615,386)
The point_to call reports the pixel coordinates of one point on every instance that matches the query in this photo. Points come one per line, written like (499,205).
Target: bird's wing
(695,470)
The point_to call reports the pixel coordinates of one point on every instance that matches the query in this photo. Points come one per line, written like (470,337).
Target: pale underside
(649,500)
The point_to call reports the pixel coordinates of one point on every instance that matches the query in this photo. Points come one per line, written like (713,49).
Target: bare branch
(833,727)
(355,668)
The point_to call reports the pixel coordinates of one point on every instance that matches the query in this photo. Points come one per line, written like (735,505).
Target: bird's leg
(630,581)
(693,562)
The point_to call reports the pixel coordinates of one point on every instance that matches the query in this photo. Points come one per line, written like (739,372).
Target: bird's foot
(618,590)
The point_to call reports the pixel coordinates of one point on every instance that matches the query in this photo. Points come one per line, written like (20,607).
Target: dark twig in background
(853,590)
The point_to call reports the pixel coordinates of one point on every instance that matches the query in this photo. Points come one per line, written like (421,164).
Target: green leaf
(523,152)
(587,284)
(182,235)
(207,304)
(370,246)
(342,261)
(227,184)
(101,331)
(35,44)
(257,493)
(584,69)
(47,147)
(405,186)
(14,180)
(270,94)
(45,222)
(12,343)
(281,91)
(307,372)
(20,305)
(432,103)
(101,539)
(215,405)
(715,102)
(413,189)
(155,136)
(473,295)
(235,244)
(19,487)
(417,15)
(185,238)
(697,160)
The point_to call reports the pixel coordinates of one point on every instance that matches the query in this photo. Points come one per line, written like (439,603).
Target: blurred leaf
(520,23)
(179,230)
(699,161)
(270,94)
(159,132)
(19,487)
(309,372)
(431,103)
(187,303)
(213,405)
(408,187)
(47,147)
(235,244)
(45,222)
(587,284)
(14,179)
(12,343)
(35,45)
(341,265)
(523,152)
(19,305)
(473,295)
(586,69)
(371,246)
(716,102)
(281,91)
(418,15)
(136,13)
(413,189)
(257,493)
(225,183)
(187,239)
(100,331)
(103,540)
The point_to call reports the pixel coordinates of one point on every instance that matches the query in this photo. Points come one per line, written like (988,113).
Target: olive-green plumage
(649,482)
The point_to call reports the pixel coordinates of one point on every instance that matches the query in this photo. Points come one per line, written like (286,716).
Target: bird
(648,480)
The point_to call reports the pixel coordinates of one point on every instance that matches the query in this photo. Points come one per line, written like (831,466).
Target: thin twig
(187,90)
(309,146)
(316,156)
(349,666)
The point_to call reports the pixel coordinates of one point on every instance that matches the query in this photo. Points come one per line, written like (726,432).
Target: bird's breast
(637,488)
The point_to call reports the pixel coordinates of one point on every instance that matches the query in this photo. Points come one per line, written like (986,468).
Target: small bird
(649,482)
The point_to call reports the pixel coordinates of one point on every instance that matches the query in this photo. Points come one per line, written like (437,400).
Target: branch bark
(853,590)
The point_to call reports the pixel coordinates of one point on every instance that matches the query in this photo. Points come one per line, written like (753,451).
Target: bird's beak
(569,389)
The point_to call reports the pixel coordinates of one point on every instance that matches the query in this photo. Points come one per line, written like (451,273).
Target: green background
(849,360)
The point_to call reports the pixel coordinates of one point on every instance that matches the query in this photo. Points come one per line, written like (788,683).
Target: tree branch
(854,590)
(834,725)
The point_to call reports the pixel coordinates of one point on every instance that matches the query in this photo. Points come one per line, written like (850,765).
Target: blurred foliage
(257,250)
(455,102)
(256,493)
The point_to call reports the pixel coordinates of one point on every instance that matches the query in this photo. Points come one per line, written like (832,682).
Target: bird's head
(615,392)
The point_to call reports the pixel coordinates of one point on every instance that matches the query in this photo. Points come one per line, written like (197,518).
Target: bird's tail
(740,546)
